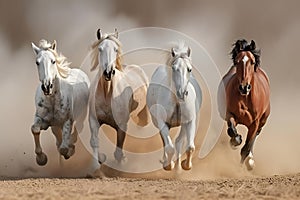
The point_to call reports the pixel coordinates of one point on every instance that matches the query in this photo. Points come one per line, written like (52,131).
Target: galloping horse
(117,93)
(174,99)
(246,97)
(61,100)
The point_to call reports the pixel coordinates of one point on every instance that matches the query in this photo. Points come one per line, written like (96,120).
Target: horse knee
(35,129)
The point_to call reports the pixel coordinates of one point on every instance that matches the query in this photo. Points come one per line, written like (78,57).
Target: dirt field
(275,187)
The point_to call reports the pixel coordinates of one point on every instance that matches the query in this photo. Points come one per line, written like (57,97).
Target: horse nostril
(43,87)
(241,88)
(248,87)
(113,72)
(51,85)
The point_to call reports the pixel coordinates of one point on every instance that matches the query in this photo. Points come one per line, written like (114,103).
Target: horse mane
(61,61)
(243,45)
(95,52)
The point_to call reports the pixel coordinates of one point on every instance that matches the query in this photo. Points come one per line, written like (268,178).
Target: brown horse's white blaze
(247,95)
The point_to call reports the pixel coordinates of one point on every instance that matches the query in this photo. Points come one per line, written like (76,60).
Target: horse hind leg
(41,158)
(236,139)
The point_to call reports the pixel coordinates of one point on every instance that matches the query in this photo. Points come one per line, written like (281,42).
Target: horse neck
(105,87)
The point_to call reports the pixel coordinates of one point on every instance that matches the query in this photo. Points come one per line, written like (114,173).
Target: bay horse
(61,100)
(244,97)
(117,93)
(174,98)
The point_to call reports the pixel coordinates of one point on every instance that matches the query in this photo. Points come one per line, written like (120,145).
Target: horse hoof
(64,152)
(168,167)
(250,164)
(71,150)
(235,141)
(185,165)
(41,159)
(101,158)
(119,156)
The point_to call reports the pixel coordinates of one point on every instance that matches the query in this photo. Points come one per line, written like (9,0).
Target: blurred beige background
(274,25)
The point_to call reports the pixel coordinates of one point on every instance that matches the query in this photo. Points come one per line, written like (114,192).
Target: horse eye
(53,62)
(116,50)
(189,70)
(37,63)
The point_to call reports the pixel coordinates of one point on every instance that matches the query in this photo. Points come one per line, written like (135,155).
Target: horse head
(181,70)
(109,53)
(246,58)
(245,68)
(46,64)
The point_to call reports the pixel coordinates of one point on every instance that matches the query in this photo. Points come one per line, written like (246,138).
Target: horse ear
(173,52)
(189,52)
(54,44)
(252,45)
(99,34)
(116,33)
(36,49)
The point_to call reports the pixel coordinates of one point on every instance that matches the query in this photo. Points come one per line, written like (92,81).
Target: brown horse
(245,91)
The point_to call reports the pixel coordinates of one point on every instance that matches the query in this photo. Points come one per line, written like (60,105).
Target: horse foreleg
(58,135)
(169,151)
(236,139)
(119,155)
(190,134)
(94,140)
(179,144)
(247,150)
(66,136)
(41,157)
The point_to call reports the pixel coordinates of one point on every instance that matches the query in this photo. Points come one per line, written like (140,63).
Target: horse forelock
(95,51)
(61,61)
(242,45)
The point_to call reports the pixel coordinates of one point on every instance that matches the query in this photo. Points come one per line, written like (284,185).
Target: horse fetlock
(231,131)
(245,152)
(101,158)
(249,162)
(170,151)
(41,159)
(236,141)
(35,129)
(119,155)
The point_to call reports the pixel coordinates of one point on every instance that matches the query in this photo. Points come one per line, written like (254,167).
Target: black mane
(243,45)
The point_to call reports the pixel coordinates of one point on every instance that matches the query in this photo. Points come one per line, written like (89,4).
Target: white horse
(61,100)
(174,99)
(117,93)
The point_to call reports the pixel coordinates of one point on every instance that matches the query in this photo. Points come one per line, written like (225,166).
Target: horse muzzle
(47,88)
(245,89)
(182,94)
(109,75)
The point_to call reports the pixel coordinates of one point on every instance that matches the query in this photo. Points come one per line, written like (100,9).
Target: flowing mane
(243,45)
(95,51)
(62,64)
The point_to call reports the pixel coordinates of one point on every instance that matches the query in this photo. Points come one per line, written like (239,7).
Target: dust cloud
(214,24)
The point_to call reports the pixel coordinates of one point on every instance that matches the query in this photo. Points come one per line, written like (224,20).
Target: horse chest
(54,111)
(175,119)
(244,114)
